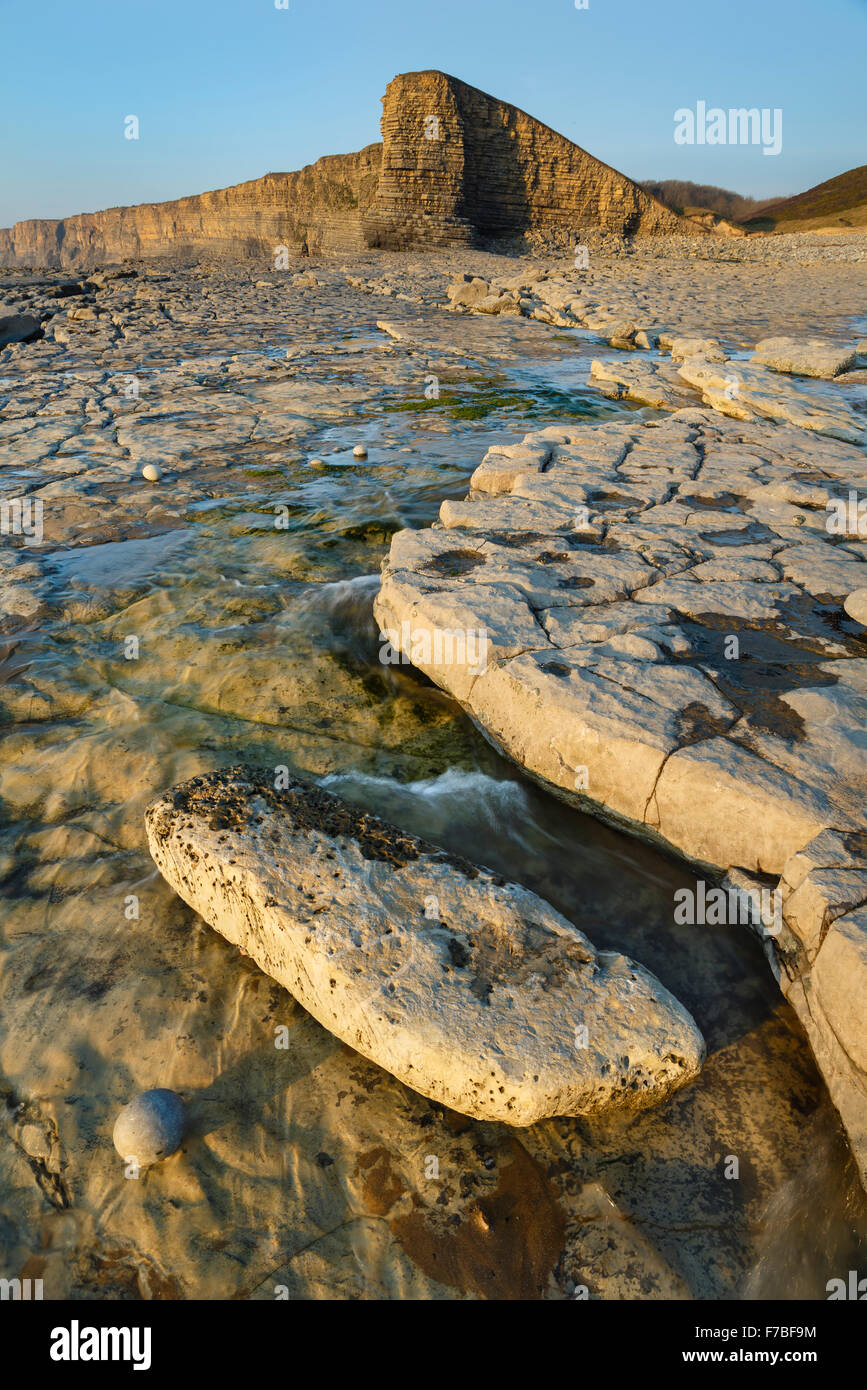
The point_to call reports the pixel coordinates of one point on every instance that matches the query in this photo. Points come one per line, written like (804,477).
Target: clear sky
(226,90)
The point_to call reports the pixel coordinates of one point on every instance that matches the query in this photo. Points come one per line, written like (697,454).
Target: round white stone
(856,606)
(360,452)
(35,1142)
(152,472)
(151,1127)
(317,463)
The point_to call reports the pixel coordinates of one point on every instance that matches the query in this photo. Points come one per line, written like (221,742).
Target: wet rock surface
(683,660)
(157,632)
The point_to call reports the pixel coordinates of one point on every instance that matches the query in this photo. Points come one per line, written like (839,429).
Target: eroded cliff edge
(455,165)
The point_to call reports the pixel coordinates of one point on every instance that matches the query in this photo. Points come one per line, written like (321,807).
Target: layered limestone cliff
(458,164)
(321,205)
(455,166)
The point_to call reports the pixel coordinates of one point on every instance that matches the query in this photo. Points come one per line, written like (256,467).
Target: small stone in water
(151,1127)
(35,1142)
(317,463)
(360,452)
(152,472)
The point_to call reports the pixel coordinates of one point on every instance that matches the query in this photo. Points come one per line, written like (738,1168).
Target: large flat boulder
(648,383)
(742,390)
(708,348)
(804,357)
(469,989)
(749,392)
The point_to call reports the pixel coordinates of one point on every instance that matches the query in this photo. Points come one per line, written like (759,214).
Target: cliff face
(321,204)
(455,164)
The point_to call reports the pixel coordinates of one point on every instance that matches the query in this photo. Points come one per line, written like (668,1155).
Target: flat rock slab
(709,348)
(741,390)
(649,383)
(469,989)
(805,357)
(749,392)
(672,625)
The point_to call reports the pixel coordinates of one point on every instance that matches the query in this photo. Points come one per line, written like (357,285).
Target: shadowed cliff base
(455,167)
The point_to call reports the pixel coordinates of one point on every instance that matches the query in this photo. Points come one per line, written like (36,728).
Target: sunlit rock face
(458,163)
(317,205)
(468,988)
(455,164)
(619,575)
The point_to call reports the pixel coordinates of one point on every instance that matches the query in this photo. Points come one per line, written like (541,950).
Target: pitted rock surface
(467,988)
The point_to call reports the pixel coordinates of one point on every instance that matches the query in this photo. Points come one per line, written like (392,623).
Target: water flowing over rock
(306,1168)
(639,666)
(469,989)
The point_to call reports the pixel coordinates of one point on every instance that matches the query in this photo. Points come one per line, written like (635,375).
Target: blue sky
(226,90)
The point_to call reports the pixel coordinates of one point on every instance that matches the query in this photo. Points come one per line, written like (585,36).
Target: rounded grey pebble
(151,1127)
(360,452)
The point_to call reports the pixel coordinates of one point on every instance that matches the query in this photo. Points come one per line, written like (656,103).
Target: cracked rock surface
(666,642)
(307,1168)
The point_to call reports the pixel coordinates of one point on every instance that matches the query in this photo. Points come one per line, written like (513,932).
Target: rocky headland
(274,840)
(455,165)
